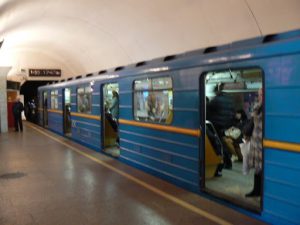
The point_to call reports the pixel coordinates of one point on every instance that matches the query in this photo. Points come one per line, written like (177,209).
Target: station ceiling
(84,36)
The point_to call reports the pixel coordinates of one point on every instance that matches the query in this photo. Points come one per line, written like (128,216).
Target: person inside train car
(240,119)
(114,108)
(112,111)
(68,114)
(17,112)
(31,110)
(160,109)
(150,106)
(234,134)
(221,113)
(240,122)
(84,103)
(255,154)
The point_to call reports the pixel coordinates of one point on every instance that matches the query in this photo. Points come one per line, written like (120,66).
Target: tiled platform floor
(46,179)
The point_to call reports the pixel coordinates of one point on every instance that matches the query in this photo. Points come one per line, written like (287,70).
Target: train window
(54,99)
(153,100)
(84,99)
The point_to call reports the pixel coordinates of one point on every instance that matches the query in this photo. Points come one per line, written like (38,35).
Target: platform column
(3,99)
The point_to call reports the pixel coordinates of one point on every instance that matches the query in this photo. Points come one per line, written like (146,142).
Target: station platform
(46,179)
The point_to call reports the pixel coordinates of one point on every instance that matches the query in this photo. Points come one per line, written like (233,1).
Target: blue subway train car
(183,117)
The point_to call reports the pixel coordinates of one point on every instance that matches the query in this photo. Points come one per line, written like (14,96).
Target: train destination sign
(44,72)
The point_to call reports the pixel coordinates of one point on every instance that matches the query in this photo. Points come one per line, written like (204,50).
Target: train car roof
(210,55)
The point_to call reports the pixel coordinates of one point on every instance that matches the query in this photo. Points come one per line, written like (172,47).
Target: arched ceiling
(83,36)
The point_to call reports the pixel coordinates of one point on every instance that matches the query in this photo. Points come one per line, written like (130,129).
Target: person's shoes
(16,130)
(252,194)
(218,174)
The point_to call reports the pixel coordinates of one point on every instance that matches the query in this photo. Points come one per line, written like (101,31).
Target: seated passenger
(109,117)
(240,120)
(233,135)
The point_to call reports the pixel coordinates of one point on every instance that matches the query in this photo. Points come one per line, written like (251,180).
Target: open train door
(110,119)
(228,99)
(45,109)
(67,112)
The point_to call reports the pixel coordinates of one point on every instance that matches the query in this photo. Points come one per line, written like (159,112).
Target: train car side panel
(157,151)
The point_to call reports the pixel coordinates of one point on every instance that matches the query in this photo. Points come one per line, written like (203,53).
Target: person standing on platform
(17,111)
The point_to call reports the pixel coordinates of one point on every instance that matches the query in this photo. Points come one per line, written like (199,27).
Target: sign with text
(44,72)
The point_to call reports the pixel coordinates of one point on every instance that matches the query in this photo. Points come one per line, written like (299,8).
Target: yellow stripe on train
(281,145)
(179,130)
(94,117)
(55,111)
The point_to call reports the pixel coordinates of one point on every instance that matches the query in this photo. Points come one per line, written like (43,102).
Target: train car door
(67,112)
(45,109)
(110,119)
(229,97)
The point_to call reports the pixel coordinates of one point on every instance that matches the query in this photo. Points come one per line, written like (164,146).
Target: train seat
(213,150)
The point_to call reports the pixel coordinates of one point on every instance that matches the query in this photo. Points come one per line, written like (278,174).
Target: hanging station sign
(44,72)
